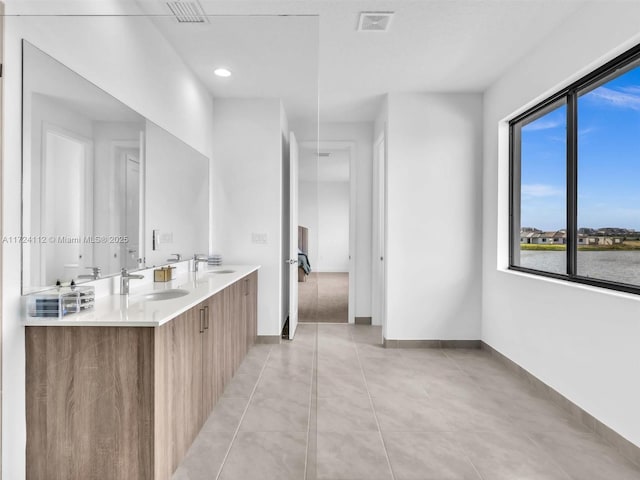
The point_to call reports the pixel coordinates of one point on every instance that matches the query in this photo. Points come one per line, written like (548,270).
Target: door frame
(351,148)
(379,240)
(120,168)
(1,221)
(294,222)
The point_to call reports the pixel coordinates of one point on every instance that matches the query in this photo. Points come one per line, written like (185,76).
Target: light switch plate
(166,237)
(259,238)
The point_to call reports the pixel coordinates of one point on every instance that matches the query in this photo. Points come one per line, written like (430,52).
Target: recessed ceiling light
(222,72)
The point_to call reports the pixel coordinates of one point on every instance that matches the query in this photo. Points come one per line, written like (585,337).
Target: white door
(66,207)
(293,235)
(379,233)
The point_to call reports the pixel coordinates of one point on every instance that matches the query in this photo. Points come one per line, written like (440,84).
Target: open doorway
(324,238)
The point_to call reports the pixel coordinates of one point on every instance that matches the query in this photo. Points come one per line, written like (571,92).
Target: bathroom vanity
(121,391)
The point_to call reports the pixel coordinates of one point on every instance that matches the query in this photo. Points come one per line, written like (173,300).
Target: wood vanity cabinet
(120,403)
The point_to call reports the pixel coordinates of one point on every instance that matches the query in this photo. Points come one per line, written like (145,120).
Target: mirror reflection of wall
(177,197)
(88,183)
(76,140)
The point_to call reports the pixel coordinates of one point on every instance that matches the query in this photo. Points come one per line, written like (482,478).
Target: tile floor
(334,405)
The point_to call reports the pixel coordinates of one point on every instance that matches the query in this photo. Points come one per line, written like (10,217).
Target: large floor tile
(455,386)
(345,414)
(381,384)
(473,415)
(341,385)
(241,385)
(474,361)
(328,365)
(509,456)
(444,415)
(427,456)
(351,456)
(276,383)
(266,456)
(226,415)
(400,413)
(276,414)
(585,456)
(204,458)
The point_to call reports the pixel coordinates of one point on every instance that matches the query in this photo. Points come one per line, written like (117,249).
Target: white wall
(333,227)
(308,217)
(581,341)
(361,133)
(247,153)
(324,208)
(127,57)
(434,175)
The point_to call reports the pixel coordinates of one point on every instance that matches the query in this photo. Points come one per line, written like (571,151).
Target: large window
(575,181)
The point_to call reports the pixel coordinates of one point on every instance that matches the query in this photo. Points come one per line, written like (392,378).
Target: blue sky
(608,160)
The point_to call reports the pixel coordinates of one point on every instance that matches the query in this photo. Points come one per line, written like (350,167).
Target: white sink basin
(222,271)
(165,294)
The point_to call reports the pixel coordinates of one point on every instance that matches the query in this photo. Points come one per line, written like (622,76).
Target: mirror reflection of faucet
(124,280)
(177,258)
(93,276)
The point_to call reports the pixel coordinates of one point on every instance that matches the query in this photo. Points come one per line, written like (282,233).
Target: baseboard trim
(362,320)
(268,339)
(627,449)
(471,344)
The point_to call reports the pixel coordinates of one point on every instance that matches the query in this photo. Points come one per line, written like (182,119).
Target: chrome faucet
(177,259)
(198,259)
(124,281)
(93,276)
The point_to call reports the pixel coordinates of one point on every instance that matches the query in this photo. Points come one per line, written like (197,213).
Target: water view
(616,265)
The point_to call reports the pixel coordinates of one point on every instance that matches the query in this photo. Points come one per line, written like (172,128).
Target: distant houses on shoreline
(586,236)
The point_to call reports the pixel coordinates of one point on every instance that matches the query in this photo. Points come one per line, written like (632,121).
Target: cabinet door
(232,319)
(208,385)
(186,371)
(250,309)
(216,332)
(212,352)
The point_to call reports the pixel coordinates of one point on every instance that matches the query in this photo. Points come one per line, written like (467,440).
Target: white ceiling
(270,56)
(432,45)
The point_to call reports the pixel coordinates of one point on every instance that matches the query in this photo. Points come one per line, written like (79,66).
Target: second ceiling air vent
(188,12)
(374,21)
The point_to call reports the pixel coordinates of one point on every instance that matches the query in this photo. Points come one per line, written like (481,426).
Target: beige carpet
(324,297)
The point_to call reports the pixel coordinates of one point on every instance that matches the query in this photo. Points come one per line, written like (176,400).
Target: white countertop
(134,311)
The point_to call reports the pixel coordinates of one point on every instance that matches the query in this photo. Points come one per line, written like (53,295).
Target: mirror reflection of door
(66,205)
(132,210)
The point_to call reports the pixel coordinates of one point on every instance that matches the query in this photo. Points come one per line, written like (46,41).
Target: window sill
(595,289)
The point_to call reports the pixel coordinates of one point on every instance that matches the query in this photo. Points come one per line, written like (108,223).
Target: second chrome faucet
(197,259)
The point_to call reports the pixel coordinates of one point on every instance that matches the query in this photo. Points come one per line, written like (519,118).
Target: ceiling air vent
(187,12)
(324,154)
(374,21)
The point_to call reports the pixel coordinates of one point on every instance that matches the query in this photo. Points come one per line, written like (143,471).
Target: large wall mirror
(98,180)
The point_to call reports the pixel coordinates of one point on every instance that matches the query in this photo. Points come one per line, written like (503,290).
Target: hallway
(334,405)
(324,298)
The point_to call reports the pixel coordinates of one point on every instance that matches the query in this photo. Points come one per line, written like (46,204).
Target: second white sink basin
(165,294)
(222,271)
